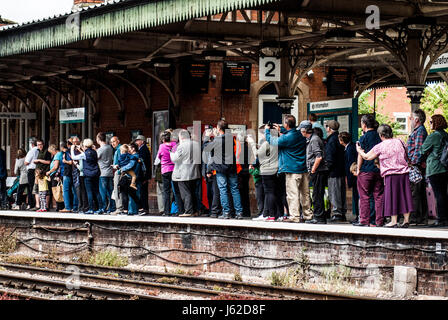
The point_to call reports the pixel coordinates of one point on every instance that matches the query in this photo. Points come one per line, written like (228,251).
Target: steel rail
(202,283)
(124,283)
(59,288)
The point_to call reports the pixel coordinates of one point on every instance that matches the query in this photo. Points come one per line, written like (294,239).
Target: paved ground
(417,232)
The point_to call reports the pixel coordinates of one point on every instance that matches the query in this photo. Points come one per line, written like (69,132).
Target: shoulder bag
(58,192)
(415,176)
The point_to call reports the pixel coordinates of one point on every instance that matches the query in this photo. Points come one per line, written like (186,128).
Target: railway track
(48,289)
(176,284)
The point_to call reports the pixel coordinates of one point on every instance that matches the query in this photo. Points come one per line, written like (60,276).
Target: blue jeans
(92,191)
(230,180)
(133,206)
(106,189)
(69,192)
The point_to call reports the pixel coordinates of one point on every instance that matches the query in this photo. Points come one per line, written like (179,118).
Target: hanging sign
(197,77)
(18,116)
(236,77)
(324,106)
(339,81)
(270,68)
(440,65)
(75,115)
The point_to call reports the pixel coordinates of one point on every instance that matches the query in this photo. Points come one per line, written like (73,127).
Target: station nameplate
(18,116)
(72,115)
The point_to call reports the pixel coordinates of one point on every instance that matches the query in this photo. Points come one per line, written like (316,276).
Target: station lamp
(38,80)
(419,23)
(161,62)
(339,35)
(6,85)
(285,102)
(271,48)
(116,68)
(75,75)
(214,55)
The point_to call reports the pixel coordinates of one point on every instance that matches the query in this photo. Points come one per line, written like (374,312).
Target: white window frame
(405,115)
(272,98)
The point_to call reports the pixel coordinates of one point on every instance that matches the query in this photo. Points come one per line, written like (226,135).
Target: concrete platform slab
(418,232)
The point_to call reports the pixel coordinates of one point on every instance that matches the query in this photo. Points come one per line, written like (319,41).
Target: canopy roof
(134,32)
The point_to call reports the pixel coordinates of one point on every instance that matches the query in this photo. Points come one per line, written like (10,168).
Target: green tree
(364,107)
(435,97)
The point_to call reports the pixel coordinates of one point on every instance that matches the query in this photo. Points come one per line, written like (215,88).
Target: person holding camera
(267,156)
(292,161)
(224,164)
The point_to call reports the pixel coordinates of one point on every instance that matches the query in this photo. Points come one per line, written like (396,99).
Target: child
(42,183)
(354,169)
(124,160)
(254,170)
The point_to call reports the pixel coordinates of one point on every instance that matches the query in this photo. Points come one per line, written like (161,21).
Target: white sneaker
(260,218)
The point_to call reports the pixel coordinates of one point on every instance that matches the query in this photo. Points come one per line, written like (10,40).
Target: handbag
(415,176)
(58,192)
(124,182)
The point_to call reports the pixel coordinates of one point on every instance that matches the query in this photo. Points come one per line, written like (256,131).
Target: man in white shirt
(31,168)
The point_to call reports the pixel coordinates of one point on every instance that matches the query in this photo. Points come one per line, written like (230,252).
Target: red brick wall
(247,249)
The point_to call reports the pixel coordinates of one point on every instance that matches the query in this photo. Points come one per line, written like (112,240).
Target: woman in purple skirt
(395,171)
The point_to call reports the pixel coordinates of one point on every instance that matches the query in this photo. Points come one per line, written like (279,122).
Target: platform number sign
(269,69)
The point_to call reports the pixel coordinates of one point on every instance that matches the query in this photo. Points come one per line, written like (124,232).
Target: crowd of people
(295,168)
(77,177)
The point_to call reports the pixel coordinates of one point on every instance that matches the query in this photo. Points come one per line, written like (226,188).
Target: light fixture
(6,85)
(324,79)
(337,35)
(75,75)
(38,80)
(161,62)
(116,68)
(310,74)
(419,23)
(214,55)
(285,102)
(271,48)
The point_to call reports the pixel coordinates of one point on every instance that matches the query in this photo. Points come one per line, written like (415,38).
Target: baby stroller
(11,192)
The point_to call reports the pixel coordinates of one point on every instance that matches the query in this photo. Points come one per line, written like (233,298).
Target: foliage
(7,241)
(364,107)
(293,277)
(435,97)
(105,258)
(237,277)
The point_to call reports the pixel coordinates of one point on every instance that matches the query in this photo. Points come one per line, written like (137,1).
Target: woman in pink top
(395,171)
(167,168)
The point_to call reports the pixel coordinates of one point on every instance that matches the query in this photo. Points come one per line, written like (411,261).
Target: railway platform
(250,248)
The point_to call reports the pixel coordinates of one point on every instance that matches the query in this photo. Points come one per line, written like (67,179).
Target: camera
(209,127)
(269,124)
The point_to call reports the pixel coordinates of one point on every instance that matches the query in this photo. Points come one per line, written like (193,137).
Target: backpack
(444,156)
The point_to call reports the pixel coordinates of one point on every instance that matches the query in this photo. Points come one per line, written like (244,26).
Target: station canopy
(83,49)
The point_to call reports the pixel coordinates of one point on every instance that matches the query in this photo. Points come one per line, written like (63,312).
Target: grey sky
(28,10)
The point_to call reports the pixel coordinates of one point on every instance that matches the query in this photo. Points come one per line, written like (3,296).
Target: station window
(402,120)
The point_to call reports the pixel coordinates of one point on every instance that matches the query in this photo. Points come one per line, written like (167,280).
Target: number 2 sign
(269,69)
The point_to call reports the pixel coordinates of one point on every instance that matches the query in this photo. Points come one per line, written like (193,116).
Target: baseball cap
(333,124)
(305,124)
